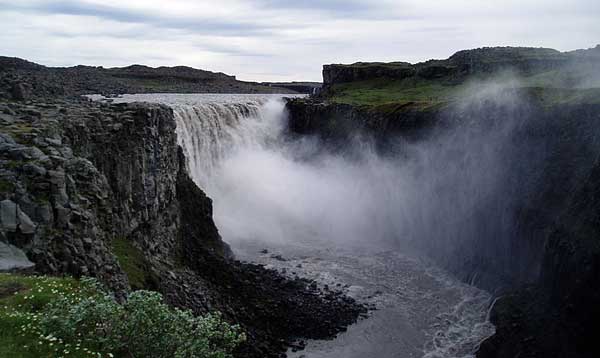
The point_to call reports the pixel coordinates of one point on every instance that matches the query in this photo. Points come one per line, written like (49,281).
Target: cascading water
(335,218)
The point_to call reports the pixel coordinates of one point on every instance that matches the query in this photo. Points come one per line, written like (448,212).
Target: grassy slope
(383,91)
(551,87)
(30,294)
(133,263)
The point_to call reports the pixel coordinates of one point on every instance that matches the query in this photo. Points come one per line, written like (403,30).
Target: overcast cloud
(273,40)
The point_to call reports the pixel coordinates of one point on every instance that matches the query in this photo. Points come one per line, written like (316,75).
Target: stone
(33,112)
(6,118)
(53,141)
(8,215)
(66,152)
(33,169)
(5,138)
(13,219)
(18,152)
(8,110)
(35,153)
(63,216)
(21,91)
(58,187)
(13,258)
(44,213)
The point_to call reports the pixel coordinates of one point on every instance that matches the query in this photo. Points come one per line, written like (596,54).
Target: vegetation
(556,77)
(133,263)
(63,317)
(381,91)
(551,87)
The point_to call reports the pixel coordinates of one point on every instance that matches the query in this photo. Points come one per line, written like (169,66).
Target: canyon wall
(537,250)
(84,174)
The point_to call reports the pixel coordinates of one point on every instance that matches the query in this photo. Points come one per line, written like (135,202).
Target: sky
(278,40)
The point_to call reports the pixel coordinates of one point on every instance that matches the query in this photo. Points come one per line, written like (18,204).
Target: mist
(457,196)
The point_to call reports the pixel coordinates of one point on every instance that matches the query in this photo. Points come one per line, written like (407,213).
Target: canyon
(427,193)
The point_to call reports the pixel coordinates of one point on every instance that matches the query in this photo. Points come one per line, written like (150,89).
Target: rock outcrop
(338,122)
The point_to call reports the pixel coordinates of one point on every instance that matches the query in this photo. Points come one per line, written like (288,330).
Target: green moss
(427,94)
(133,263)
(384,91)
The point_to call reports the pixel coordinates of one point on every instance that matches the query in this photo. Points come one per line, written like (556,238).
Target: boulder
(12,258)
(12,218)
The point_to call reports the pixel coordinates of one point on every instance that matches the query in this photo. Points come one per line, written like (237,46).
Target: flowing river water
(282,202)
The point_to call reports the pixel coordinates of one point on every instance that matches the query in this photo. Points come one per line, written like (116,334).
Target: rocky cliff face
(81,174)
(557,317)
(336,123)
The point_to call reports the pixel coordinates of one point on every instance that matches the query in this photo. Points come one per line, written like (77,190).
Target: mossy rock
(134,264)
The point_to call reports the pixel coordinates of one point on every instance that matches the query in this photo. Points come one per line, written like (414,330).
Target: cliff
(90,189)
(440,81)
(84,174)
(542,259)
(556,317)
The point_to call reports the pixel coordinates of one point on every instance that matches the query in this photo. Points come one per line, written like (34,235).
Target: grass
(384,91)
(21,298)
(133,263)
(424,94)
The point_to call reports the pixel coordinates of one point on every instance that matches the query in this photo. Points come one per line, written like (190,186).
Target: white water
(337,219)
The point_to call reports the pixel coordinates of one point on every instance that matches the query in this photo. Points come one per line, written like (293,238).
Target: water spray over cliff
(457,195)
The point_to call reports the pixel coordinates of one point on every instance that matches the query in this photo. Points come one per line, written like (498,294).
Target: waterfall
(457,195)
(209,133)
(354,215)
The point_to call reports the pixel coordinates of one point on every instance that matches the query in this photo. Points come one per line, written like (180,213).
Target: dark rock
(12,258)
(21,91)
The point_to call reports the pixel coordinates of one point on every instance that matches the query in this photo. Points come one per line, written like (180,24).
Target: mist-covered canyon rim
(377,218)
(318,209)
